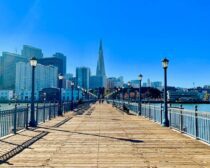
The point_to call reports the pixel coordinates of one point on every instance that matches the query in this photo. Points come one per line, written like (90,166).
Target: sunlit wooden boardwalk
(106,137)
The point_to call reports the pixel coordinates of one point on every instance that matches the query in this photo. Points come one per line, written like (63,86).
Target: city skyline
(135,41)
(86,66)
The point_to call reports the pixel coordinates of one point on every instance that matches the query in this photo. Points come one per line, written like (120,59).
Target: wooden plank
(108,138)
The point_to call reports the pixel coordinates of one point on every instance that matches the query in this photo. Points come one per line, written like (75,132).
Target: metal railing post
(149,111)
(63,111)
(50,111)
(154,114)
(196,122)
(44,112)
(170,122)
(26,116)
(37,113)
(15,120)
(181,119)
(161,114)
(54,108)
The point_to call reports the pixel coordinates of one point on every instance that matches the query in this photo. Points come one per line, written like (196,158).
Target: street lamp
(116,93)
(72,97)
(85,91)
(33,62)
(123,93)
(119,89)
(165,119)
(78,87)
(44,100)
(129,85)
(140,79)
(60,77)
(87,94)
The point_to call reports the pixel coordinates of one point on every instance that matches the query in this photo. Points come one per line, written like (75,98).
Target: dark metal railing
(192,122)
(18,118)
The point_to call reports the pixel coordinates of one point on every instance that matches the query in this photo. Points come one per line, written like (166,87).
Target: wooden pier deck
(106,137)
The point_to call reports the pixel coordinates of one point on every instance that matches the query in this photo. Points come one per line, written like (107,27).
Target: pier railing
(192,122)
(18,117)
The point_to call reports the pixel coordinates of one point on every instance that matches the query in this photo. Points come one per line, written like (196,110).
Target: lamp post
(140,79)
(129,85)
(78,87)
(60,77)
(88,96)
(33,62)
(116,94)
(165,119)
(72,96)
(82,93)
(119,93)
(123,93)
(44,99)
(85,93)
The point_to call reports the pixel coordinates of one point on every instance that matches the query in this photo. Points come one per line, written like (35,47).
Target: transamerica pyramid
(100,71)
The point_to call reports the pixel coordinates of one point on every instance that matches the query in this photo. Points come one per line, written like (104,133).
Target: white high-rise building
(114,82)
(45,77)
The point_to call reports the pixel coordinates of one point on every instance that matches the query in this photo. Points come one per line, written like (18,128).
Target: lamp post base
(60,113)
(32,123)
(72,106)
(165,123)
(139,110)
(60,110)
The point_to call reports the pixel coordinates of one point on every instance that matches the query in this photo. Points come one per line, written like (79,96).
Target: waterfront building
(206,86)
(8,68)
(6,95)
(186,96)
(25,95)
(83,77)
(45,77)
(66,94)
(29,52)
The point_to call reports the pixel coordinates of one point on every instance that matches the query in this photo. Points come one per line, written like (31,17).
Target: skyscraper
(45,77)
(8,69)
(100,71)
(63,58)
(57,61)
(96,82)
(29,52)
(83,77)
(100,79)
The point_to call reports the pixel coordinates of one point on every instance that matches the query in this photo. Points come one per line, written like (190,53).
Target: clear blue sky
(136,34)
